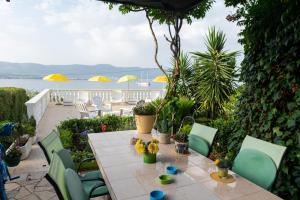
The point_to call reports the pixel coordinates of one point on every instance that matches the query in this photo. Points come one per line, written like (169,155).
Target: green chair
(52,143)
(56,176)
(49,144)
(201,138)
(76,189)
(258,161)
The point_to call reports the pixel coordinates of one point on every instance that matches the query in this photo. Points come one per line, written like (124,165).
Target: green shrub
(73,134)
(144,109)
(12,104)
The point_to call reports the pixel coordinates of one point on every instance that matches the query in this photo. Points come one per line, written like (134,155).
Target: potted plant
(164,124)
(149,150)
(223,166)
(181,139)
(22,134)
(13,156)
(144,117)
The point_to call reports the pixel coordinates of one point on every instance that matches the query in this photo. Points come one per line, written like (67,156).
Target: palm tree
(214,79)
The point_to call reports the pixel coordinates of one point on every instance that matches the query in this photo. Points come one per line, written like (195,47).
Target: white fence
(37,106)
(106,95)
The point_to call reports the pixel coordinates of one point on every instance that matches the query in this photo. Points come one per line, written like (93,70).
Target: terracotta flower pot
(144,123)
(164,138)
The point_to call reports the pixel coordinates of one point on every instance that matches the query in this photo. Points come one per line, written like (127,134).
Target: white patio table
(128,177)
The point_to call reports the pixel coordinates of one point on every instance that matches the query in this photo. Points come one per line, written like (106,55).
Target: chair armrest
(83,161)
(97,185)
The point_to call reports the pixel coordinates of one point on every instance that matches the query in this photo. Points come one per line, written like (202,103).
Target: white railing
(106,95)
(37,105)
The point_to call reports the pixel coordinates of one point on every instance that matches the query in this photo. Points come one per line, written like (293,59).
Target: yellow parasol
(160,79)
(100,79)
(56,78)
(127,78)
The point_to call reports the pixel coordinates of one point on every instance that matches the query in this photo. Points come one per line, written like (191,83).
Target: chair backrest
(55,176)
(116,95)
(74,186)
(275,151)
(50,144)
(97,101)
(198,144)
(83,97)
(258,161)
(205,132)
(66,158)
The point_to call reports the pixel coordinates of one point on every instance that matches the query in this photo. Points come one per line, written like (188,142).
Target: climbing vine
(269,107)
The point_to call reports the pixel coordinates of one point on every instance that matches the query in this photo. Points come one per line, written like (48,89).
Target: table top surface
(128,177)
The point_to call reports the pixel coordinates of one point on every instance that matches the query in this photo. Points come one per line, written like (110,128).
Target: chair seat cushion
(93,175)
(255,166)
(100,191)
(198,144)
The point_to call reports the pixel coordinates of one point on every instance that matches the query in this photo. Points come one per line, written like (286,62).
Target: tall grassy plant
(214,79)
(186,75)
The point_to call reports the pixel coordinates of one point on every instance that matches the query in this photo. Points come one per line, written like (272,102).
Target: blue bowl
(157,195)
(171,170)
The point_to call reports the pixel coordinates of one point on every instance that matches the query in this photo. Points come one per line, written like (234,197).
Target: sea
(38,84)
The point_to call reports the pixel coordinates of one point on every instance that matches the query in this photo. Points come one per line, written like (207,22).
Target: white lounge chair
(116,96)
(85,113)
(99,104)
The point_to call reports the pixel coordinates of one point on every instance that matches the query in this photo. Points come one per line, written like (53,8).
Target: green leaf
(291,123)
(277,131)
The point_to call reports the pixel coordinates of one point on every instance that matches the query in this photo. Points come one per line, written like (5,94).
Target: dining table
(127,177)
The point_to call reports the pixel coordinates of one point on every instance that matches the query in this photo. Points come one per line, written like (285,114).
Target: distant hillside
(37,71)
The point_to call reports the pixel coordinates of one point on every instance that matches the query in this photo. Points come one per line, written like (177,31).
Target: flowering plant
(149,147)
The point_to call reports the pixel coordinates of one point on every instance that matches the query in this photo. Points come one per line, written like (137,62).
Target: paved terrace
(32,185)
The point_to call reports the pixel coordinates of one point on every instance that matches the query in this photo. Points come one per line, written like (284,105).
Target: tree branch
(150,22)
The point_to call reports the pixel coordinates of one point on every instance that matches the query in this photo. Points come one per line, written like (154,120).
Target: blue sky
(87,32)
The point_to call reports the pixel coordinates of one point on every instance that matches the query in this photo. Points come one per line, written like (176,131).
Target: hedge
(73,134)
(12,104)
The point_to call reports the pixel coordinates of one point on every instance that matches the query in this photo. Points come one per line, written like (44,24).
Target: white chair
(99,104)
(116,96)
(84,97)
(68,100)
(85,113)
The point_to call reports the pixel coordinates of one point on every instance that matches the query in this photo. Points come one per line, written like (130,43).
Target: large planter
(26,149)
(144,123)
(149,158)
(33,139)
(181,147)
(164,138)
